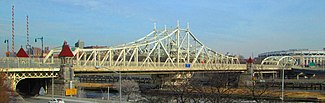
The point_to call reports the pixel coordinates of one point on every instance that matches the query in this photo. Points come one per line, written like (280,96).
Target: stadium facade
(304,57)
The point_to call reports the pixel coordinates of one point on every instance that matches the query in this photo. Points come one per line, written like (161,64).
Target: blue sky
(236,26)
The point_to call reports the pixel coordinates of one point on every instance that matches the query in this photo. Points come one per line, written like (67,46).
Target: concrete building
(95,47)
(304,57)
(80,44)
(37,52)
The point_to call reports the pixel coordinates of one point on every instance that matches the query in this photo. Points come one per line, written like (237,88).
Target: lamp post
(41,38)
(28,48)
(282,87)
(52,83)
(107,92)
(120,82)
(7,41)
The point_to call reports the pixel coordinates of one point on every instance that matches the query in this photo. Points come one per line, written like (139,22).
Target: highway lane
(44,99)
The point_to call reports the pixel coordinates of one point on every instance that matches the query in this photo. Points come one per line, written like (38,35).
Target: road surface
(44,99)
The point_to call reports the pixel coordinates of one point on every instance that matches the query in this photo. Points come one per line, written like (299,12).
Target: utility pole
(27,42)
(7,41)
(52,83)
(41,38)
(13,29)
(27,35)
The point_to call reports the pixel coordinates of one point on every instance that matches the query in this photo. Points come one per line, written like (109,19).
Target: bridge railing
(162,67)
(15,62)
(145,64)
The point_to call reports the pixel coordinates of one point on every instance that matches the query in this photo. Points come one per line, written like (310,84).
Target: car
(56,101)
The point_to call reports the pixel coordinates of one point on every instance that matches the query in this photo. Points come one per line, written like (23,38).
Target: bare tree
(4,88)
(258,90)
(210,88)
(180,89)
(198,92)
(155,96)
(130,88)
(217,87)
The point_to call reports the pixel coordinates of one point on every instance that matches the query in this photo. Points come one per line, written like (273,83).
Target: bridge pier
(66,79)
(64,82)
(247,78)
(59,86)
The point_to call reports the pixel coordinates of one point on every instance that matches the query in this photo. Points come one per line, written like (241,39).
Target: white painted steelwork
(279,61)
(160,48)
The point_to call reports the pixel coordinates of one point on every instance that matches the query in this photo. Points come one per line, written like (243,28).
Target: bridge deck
(36,64)
(237,67)
(29,69)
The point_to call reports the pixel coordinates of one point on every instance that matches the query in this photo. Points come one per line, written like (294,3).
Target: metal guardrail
(32,69)
(234,67)
(15,62)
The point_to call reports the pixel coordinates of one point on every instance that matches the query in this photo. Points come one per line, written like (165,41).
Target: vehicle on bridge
(56,101)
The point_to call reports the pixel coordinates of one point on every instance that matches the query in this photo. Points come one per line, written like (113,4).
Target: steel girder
(15,77)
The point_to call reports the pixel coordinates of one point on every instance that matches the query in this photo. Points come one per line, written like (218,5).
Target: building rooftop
(22,53)
(293,52)
(66,51)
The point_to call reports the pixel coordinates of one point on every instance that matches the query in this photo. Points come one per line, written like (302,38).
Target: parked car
(56,101)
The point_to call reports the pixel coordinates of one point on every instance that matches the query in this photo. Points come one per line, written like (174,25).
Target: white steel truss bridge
(161,49)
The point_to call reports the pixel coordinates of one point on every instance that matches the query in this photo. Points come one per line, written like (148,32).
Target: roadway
(45,99)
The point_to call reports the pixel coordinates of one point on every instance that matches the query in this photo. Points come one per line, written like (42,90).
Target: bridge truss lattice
(280,61)
(160,48)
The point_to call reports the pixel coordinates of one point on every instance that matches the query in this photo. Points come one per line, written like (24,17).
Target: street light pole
(107,92)
(120,82)
(282,89)
(120,86)
(7,41)
(53,83)
(41,38)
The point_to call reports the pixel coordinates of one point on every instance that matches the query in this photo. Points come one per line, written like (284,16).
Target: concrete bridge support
(64,81)
(66,78)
